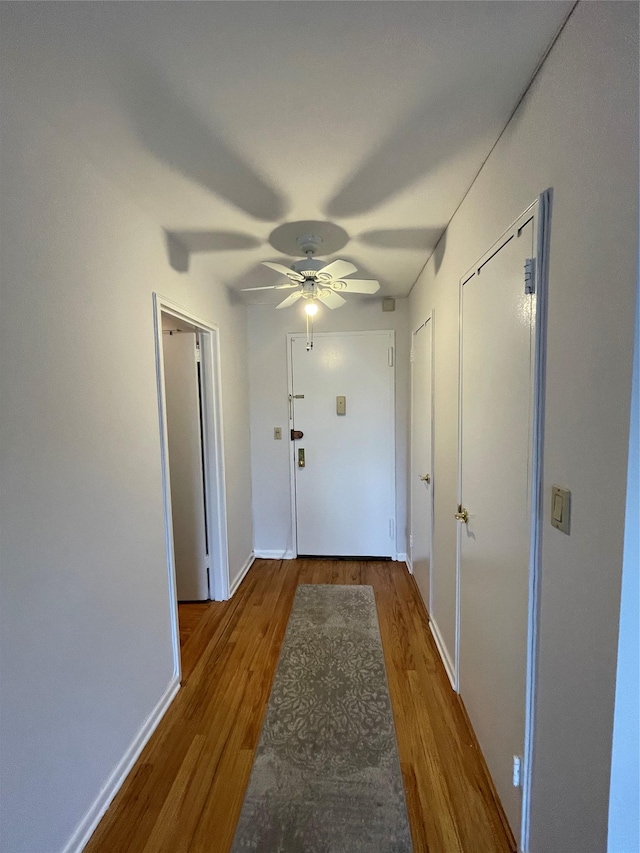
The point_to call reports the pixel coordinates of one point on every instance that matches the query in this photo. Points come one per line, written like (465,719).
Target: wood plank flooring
(186,790)
(190,614)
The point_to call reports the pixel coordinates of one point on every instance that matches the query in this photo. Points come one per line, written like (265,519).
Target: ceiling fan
(316,280)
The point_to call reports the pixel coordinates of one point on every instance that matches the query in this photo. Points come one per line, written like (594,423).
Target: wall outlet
(277,433)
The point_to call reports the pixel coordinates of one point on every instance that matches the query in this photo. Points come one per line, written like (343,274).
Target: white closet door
(182,395)
(497,361)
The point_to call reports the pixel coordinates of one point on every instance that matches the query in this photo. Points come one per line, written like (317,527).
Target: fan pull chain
(309,332)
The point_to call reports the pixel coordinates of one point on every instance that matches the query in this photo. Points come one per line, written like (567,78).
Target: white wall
(85,613)
(624,796)
(577,132)
(268,330)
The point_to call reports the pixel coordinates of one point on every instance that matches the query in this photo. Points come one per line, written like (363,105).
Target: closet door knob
(462,514)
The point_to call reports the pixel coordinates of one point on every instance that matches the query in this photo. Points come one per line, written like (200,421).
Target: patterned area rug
(326,776)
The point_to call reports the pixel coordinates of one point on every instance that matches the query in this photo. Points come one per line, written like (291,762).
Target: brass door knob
(462,514)
(426,478)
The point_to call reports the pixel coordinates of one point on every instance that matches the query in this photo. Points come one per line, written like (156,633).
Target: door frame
(213,456)
(293,523)
(429,319)
(541,210)
(293,553)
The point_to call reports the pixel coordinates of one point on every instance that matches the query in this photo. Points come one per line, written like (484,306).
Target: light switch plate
(560,508)
(341,405)
(277,433)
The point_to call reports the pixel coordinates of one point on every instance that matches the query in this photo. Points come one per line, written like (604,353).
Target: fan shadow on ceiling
(173,133)
(178,137)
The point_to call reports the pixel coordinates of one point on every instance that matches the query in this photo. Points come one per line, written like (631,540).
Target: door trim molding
(540,209)
(543,244)
(213,453)
(292,471)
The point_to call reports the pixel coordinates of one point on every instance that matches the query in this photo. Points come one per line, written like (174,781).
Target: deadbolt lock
(462,514)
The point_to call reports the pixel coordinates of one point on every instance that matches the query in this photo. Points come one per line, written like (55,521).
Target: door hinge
(390,356)
(530,275)
(517,771)
(411,540)
(411,357)
(197,352)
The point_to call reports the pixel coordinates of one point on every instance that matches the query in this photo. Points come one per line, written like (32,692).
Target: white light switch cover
(560,508)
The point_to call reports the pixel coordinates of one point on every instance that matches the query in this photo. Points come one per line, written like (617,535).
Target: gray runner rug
(326,776)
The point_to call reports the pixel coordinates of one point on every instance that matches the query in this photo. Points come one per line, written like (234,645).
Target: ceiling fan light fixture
(317,281)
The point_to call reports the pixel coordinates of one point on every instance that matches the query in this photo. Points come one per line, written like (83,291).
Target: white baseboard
(243,571)
(113,784)
(444,654)
(405,558)
(274,555)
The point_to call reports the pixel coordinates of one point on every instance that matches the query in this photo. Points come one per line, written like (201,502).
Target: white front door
(183,408)
(496,374)
(343,402)
(421,473)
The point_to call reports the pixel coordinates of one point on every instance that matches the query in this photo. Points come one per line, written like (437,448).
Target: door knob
(426,478)
(462,514)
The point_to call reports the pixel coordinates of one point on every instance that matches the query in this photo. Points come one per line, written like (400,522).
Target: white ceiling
(225,120)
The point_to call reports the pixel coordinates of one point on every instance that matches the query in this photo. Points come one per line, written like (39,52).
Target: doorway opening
(190,412)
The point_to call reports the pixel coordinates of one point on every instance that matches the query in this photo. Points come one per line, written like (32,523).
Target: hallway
(187,788)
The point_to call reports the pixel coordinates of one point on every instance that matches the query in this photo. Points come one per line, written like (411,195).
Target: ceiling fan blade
(273,286)
(292,274)
(357,285)
(331,299)
(336,269)
(293,297)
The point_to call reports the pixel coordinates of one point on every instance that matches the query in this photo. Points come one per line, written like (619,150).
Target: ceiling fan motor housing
(308,267)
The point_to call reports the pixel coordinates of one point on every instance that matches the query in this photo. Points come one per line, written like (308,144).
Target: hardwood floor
(190,614)
(186,790)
